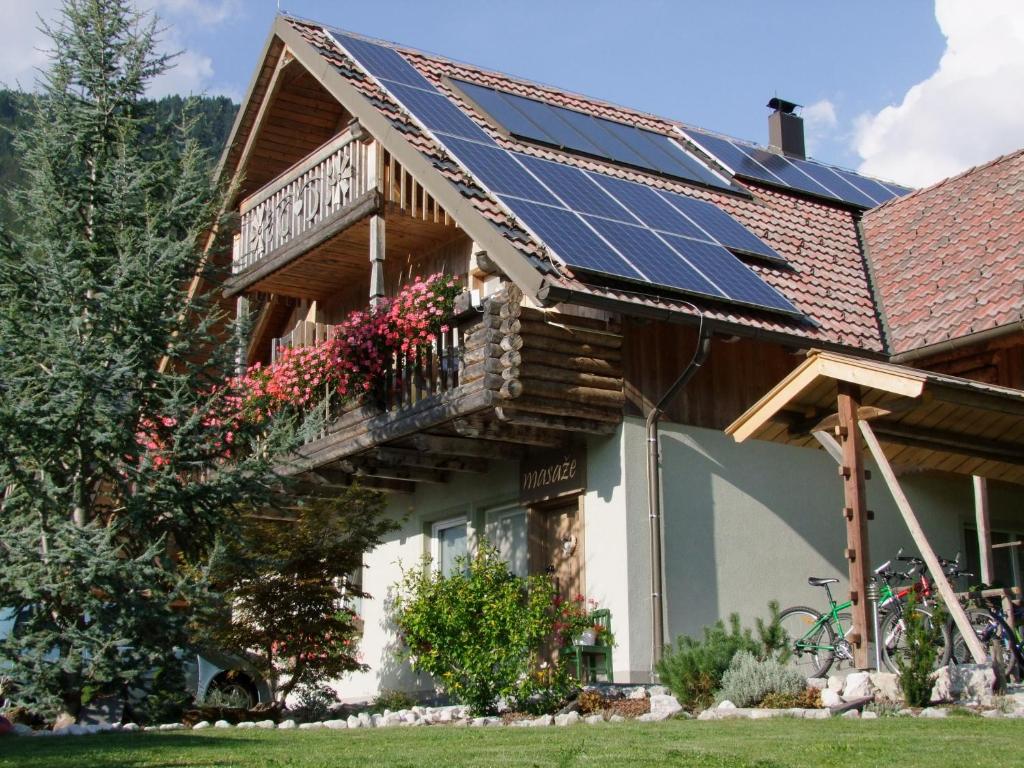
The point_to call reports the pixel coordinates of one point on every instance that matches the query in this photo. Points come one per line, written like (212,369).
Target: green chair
(593,661)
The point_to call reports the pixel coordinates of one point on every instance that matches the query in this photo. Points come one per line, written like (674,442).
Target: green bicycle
(817,640)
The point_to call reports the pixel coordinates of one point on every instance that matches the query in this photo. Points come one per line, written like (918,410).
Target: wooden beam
(283,62)
(464,446)
(376,259)
(830,444)
(360,468)
(927,553)
(949,442)
(856,514)
(366,205)
(410,457)
(984,530)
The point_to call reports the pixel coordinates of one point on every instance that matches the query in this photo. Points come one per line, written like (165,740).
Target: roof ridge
(943,182)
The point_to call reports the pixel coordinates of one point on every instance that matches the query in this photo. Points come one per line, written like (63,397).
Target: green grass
(959,743)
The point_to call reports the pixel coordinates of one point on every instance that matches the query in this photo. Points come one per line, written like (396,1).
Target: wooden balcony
(505,377)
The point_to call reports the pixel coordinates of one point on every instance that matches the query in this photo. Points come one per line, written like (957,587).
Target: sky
(910,91)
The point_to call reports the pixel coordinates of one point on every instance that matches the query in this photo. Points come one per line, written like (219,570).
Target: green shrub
(479,632)
(748,680)
(693,670)
(392,700)
(922,638)
(314,702)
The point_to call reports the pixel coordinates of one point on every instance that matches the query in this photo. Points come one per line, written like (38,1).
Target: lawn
(959,742)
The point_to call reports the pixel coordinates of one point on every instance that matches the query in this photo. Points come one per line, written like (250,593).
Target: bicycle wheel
(810,640)
(996,637)
(893,639)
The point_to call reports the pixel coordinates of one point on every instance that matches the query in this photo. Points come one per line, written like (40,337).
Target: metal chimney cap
(781,105)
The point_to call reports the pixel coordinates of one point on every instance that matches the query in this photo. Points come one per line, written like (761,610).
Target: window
(449,541)
(1006,561)
(506,530)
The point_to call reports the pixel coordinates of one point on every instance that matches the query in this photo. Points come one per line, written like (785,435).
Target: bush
(809,698)
(694,669)
(922,638)
(314,702)
(748,680)
(392,700)
(479,632)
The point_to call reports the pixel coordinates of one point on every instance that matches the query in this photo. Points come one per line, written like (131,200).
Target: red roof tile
(948,260)
(826,277)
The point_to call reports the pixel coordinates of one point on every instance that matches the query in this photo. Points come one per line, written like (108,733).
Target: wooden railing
(312,191)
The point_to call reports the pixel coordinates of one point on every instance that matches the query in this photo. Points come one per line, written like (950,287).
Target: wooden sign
(550,473)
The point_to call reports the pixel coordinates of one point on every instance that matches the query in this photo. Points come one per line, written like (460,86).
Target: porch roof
(923,420)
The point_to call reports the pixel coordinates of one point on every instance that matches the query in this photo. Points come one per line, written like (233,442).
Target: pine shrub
(921,639)
(748,680)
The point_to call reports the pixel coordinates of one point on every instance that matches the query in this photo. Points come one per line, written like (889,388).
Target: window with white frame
(506,530)
(449,541)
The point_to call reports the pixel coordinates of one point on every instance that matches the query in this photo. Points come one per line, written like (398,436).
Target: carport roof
(924,420)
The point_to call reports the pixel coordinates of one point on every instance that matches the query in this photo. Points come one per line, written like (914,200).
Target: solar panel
(736,280)
(548,119)
(840,186)
(575,189)
(571,239)
(382,62)
(437,112)
(501,109)
(720,226)
(498,170)
(732,157)
(671,159)
(870,187)
(785,170)
(648,206)
(652,256)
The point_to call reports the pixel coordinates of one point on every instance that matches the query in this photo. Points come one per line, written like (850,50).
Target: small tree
(282,585)
(112,455)
(479,633)
(922,637)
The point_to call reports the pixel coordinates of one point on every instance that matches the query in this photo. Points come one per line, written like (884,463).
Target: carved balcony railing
(307,195)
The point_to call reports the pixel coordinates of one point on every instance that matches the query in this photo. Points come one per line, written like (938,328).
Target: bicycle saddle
(815,582)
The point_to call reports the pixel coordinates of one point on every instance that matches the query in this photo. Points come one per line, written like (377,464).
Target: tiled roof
(826,278)
(949,260)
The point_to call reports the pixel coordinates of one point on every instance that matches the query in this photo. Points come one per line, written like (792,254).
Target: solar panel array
(593,222)
(754,162)
(578,132)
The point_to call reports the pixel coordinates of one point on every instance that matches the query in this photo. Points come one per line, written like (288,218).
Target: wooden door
(556,545)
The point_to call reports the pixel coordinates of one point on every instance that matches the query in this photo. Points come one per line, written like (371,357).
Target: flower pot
(586,637)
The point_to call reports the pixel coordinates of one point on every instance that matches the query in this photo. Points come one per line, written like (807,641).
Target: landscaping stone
(657,690)
(391,719)
(637,693)
(616,719)
(831,698)
(542,721)
(288,725)
(310,726)
(20,729)
(130,727)
(992,713)
(665,703)
(886,686)
(266,725)
(569,718)
(593,719)
(480,722)
(708,714)
(353,722)
(975,683)
(218,724)
(817,714)
(835,683)
(169,727)
(868,715)
(933,712)
(858,686)
(851,714)
(819,683)
(202,725)
(246,725)
(724,705)
(366,722)
(653,717)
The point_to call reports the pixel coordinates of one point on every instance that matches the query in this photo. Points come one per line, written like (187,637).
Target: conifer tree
(112,458)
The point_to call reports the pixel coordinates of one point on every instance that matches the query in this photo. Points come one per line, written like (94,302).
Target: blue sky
(911,90)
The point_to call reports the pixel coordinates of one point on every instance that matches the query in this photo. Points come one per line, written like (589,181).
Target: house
(632,281)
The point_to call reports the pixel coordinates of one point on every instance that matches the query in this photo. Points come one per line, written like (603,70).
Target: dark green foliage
(694,669)
(113,464)
(281,585)
(922,636)
(212,116)
(480,633)
(393,700)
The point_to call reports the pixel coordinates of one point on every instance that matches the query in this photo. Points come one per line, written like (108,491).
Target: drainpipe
(700,354)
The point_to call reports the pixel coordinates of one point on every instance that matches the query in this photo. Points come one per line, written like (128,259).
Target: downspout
(700,354)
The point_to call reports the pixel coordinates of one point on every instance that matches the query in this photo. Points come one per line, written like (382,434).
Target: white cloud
(969,111)
(24,52)
(819,123)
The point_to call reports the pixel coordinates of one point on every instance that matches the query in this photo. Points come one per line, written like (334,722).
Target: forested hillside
(214,116)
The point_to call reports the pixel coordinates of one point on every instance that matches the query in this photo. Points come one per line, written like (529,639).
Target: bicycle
(821,638)
(892,629)
(987,618)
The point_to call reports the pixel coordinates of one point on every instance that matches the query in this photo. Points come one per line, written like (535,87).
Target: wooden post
(855,513)
(984,530)
(376,259)
(934,567)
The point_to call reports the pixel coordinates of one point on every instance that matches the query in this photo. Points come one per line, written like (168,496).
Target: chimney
(786,128)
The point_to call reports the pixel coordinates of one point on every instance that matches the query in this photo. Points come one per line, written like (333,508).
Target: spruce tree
(112,458)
